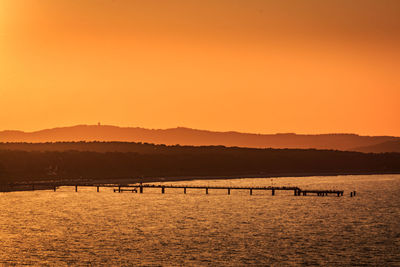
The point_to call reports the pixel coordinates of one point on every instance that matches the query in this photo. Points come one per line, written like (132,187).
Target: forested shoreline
(148,160)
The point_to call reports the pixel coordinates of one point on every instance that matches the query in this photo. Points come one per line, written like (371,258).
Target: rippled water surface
(107,228)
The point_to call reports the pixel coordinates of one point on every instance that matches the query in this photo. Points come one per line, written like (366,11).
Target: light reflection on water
(68,228)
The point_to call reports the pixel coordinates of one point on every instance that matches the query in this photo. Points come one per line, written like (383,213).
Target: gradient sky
(305,66)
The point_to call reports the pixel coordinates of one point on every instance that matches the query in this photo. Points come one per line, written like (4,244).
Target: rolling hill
(187,136)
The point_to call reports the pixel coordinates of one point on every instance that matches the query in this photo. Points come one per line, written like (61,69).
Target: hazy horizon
(190,128)
(248,66)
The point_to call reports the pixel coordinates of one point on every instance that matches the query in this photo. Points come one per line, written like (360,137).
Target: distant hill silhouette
(388,146)
(186,136)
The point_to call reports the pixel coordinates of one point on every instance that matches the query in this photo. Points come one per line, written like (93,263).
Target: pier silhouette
(139,188)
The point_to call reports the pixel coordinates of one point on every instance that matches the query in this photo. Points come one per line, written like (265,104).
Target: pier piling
(207,190)
(163,190)
(76,188)
(184,190)
(229,191)
(273,192)
(98,188)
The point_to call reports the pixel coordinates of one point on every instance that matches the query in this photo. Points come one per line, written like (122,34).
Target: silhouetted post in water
(273,192)
(98,188)
(207,190)
(229,191)
(163,189)
(251,191)
(119,189)
(351,194)
(141,189)
(55,188)
(184,190)
(354,193)
(338,194)
(76,188)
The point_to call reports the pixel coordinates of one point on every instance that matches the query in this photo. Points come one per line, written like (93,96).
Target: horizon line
(189,128)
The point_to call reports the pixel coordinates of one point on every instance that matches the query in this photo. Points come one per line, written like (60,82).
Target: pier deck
(140,188)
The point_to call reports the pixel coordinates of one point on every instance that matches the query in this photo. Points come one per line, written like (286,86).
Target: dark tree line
(174,161)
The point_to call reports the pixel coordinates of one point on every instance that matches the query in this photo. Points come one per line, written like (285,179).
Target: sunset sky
(305,66)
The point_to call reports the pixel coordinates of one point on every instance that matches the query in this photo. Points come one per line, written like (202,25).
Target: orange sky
(305,66)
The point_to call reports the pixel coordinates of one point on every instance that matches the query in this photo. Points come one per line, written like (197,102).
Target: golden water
(107,228)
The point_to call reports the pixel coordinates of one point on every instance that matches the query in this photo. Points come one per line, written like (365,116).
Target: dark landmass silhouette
(152,162)
(186,136)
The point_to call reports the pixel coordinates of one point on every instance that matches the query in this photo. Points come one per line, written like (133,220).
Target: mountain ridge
(196,137)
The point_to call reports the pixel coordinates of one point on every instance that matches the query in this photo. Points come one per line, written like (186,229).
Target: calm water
(106,228)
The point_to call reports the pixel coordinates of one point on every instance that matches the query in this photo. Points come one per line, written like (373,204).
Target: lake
(107,228)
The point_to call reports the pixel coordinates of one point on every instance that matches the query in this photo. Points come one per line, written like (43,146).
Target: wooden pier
(139,188)
(296,190)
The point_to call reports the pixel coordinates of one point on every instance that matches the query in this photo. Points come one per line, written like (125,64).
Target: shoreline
(250,176)
(50,184)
